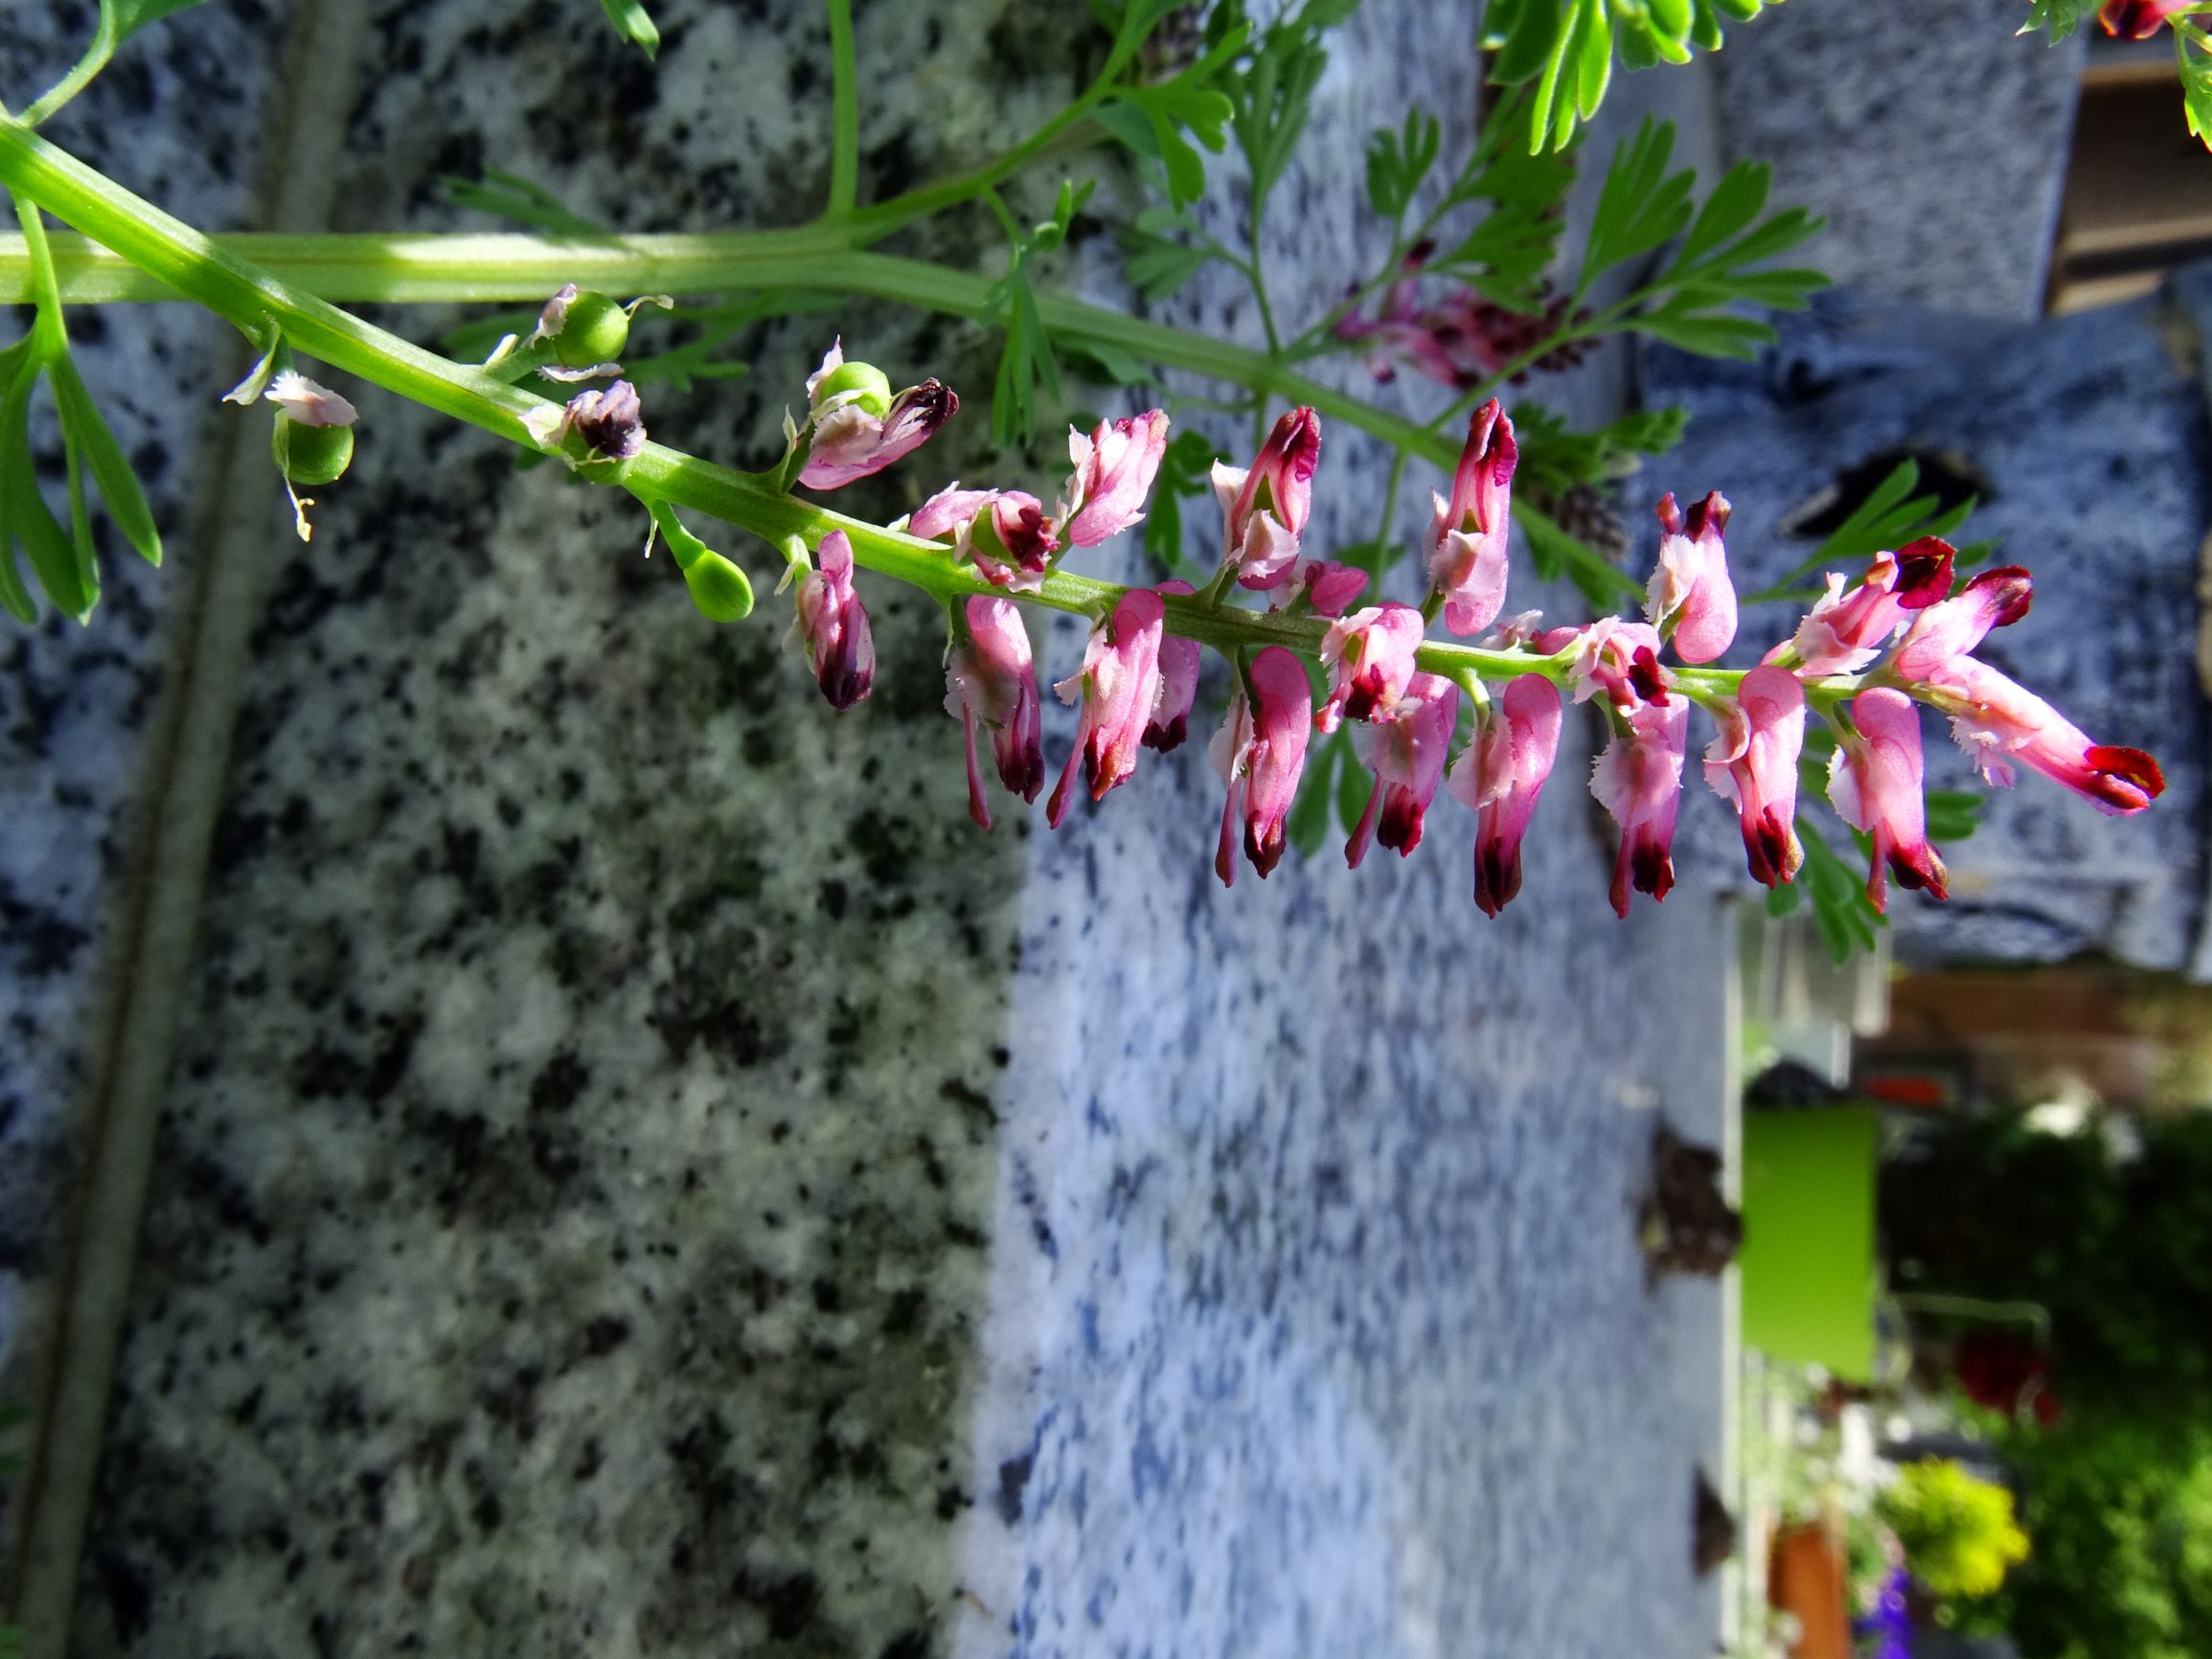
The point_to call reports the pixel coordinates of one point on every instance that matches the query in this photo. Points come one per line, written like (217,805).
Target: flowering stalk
(1135,690)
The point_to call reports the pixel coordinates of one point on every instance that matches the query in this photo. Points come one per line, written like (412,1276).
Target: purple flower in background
(1891,1621)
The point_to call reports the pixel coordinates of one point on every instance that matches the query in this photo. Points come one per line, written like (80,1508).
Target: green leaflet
(633,24)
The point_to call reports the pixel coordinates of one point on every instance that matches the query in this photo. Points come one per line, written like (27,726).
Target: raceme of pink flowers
(1859,662)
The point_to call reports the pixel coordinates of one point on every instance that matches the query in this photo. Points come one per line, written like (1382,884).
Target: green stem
(845,112)
(188,263)
(511,268)
(95,59)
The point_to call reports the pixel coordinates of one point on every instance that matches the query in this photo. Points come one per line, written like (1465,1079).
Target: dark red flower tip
(1709,515)
(1922,873)
(1496,877)
(1297,438)
(928,406)
(1924,572)
(2009,589)
(1645,675)
(1767,847)
(1399,829)
(1029,537)
(1265,853)
(1653,868)
(2132,778)
(844,682)
(1170,735)
(1670,516)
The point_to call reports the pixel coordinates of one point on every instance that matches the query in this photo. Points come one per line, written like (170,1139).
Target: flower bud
(310,455)
(858,383)
(610,422)
(720,589)
(588,329)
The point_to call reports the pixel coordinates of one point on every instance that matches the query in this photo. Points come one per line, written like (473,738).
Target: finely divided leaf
(86,434)
(511,197)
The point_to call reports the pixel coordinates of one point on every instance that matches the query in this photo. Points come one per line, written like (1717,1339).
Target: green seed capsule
(595,331)
(312,455)
(718,587)
(861,383)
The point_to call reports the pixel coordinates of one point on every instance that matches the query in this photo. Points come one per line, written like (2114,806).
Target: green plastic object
(1808,1256)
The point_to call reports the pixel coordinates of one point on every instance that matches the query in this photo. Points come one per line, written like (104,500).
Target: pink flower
(1003,532)
(1466,538)
(2138,19)
(1371,654)
(1690,596)
(1406,750)
(1639,780)
(1998,721)
(1260,757)
(1119,688)
(1330,588)
(1170,721)
(834,625)
(1951,627)
(1619,658)
(1845,630)
(1264,508)
(1114,468)
(1522,628)
(1752,763)
(1874,783)
(1500,774)
(854,427)
(989,677)
(308,402)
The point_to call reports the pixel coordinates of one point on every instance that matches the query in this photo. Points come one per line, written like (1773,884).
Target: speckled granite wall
(80,708)
(643,1176)
(1932,138)
(2086,437)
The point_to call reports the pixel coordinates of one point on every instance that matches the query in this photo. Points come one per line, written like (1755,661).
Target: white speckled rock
(180,117)
(1930,137)
(644,1175)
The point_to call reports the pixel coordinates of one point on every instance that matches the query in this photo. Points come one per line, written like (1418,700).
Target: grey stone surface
(179,119)
(644,1175)
(2087,437)
(1932,138)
